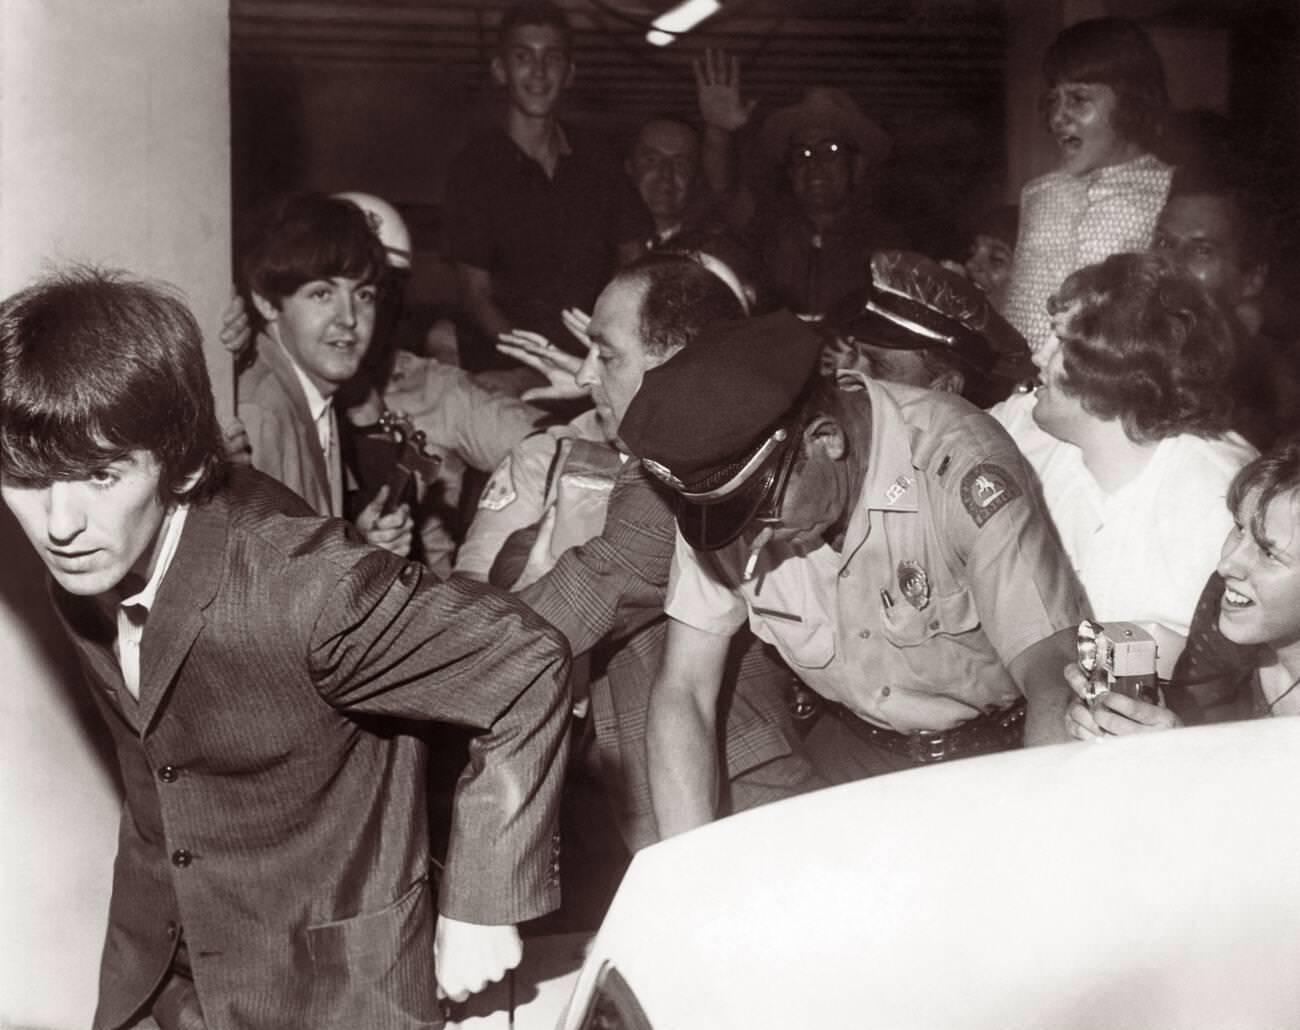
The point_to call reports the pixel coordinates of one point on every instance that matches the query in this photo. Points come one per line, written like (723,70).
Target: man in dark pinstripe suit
(255,666)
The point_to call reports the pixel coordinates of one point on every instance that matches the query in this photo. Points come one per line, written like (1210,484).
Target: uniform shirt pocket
(948,615)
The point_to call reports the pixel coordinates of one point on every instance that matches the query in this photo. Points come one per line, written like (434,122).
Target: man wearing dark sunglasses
(829,150)
(812,247)
(888,541)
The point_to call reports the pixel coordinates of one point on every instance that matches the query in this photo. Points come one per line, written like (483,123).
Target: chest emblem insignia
(914,584)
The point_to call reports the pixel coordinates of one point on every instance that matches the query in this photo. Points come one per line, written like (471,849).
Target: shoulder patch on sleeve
(987,489)
(500,490)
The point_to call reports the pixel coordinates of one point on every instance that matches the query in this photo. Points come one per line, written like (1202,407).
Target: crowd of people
(732,500)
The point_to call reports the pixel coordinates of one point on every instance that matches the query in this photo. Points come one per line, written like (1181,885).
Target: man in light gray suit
(255,666)
(313,272)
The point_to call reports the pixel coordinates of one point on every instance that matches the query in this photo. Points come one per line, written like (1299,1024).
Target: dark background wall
(378,95)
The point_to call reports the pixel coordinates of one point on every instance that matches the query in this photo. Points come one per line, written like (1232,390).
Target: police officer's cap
(716,420)
(913,303)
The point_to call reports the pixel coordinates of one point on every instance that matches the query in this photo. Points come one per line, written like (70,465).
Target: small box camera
(1120,656)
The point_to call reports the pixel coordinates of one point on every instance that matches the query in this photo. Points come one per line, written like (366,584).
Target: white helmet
(387,224)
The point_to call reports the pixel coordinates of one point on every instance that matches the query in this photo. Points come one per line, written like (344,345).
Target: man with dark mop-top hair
(889,541)
(256,665)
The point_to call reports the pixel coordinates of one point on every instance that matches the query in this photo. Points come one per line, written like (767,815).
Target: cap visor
(708,527)
(869,327)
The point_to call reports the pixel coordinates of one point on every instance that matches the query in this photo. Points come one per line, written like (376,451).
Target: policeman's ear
(498,70)
(825,434)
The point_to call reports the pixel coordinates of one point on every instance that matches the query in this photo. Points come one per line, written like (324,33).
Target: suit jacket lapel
(282,368)
(177,614)
(92,638)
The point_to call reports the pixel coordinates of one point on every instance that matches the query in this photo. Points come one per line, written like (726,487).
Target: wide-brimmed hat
(717,421)
(830,109)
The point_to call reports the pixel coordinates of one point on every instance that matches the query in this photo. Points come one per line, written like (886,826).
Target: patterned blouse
(1067,222)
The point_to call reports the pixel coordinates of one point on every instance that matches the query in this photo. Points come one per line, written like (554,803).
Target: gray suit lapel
(285,374)
(92,638)
(177,616)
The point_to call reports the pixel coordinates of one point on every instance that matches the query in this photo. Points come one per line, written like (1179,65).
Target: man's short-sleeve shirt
(950,569)
(548,242)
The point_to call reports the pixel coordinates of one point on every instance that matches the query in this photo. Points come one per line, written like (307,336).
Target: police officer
(887,540)
(958,343)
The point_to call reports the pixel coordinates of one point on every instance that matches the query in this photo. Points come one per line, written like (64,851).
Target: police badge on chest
(914,584)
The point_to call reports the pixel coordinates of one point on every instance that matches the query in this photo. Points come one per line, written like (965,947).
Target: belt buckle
(930,746)
(803,705)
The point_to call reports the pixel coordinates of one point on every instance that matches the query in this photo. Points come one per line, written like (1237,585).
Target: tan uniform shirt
(466,425)
(518,493)
(950,569)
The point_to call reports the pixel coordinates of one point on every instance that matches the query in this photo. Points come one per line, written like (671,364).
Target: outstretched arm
(681,731)
(724,111)
(1037,671)
(617,580)
(390,640)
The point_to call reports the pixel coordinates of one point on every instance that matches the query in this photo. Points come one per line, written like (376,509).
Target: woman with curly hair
(1135,398)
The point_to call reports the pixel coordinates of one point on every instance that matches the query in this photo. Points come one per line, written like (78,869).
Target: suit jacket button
(168,774)
(171,930)
(181,858)
(408,574)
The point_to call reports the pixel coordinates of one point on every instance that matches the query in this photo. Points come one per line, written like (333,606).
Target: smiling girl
(1105,107)
(1242,659)
(1248,624)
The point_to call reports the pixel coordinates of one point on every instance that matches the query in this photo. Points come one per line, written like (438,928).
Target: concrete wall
(114,149)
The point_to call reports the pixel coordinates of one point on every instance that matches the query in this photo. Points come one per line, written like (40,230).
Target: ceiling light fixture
(681,19)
